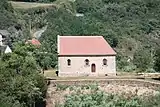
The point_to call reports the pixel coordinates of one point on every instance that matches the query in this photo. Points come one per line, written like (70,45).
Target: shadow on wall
(57,72)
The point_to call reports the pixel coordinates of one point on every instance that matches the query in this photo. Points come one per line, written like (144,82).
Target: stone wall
(78,67)
(130,82)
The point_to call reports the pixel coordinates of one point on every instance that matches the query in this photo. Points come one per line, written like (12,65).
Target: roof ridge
(79,36)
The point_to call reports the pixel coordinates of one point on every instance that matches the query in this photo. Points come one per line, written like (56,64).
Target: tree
(19,77)
(142,59)
(7,17)
(157,60)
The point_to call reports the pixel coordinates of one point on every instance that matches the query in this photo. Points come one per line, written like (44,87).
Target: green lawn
(51,73)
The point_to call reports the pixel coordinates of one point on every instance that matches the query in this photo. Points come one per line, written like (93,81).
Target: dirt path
(38,33)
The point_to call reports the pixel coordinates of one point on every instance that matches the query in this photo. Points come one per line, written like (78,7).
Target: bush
(61,87)
(20,80)
(99,99)
(142,59)
(129,68)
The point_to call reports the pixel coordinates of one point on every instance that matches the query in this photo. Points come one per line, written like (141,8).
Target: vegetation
(97,98)
(157,60)
(130,26)
(7,17)
(26,5)
(142,59)
(127,25)
(21,83)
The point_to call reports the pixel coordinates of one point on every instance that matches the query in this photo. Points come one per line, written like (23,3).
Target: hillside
(131,27)
(7,16)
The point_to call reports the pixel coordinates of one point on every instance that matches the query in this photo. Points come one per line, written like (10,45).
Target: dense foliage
(7,17)
(142,59)
(127,25)
(22,85)
(157,60)
(99,99)
(130,27)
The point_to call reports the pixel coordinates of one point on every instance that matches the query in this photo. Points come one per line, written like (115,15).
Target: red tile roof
(84,45)
(34,42)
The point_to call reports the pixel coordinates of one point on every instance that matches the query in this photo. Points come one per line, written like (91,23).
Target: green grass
(27,5)
(50,73)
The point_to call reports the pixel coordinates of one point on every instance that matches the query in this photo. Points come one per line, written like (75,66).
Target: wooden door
(93,68)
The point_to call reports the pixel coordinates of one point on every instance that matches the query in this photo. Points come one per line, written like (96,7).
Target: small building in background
(4,49)
(4,37)
(79,14)
(85,56)
(34,42)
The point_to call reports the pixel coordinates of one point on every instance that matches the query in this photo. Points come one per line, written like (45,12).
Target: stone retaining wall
(130,82)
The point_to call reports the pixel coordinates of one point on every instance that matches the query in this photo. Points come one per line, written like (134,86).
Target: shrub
(99,99)
(61,87)
(94,87)
(142,59)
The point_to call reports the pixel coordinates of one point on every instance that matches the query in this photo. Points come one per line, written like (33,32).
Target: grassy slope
(27,5)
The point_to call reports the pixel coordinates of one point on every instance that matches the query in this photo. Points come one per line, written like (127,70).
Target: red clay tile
(84,45)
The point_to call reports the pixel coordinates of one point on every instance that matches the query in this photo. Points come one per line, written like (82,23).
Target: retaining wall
(131,82)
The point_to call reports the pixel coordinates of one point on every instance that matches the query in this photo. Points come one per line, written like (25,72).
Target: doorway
(93,68)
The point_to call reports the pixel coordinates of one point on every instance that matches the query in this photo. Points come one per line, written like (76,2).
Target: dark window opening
(57,73)
(86,62)
(69,62)
(104,61)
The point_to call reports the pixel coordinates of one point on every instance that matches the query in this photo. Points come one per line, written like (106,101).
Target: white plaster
(58,42)
(78,67)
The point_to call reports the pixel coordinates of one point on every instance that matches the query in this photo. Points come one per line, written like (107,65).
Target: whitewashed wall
(78,67)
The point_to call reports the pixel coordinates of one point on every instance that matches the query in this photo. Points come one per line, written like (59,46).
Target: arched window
(69,62)
(104,61)
(86,62)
